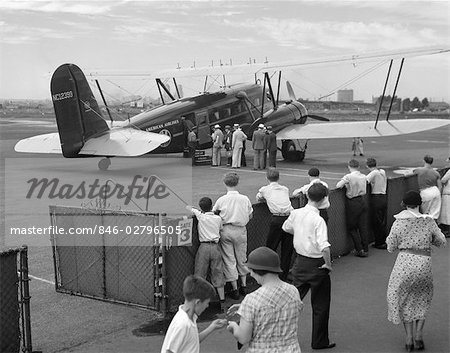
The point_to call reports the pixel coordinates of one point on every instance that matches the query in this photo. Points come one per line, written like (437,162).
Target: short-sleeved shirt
(426,177)
(378,181)
(273,311)
(209,225)
(182,334)
(234,208)
(310,231)
(355,184)
(276,197)
(304,190)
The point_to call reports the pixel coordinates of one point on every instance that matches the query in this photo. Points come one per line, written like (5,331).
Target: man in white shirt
(313,262)
(355,184)
(237,144)
(277,198)
(378,202)
(217,138)
(236,210)
(313,174)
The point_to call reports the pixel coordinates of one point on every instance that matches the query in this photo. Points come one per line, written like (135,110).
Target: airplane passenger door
(203,129)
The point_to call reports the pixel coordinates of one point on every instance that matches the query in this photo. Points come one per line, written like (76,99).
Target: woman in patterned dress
(269,315)
(410,287)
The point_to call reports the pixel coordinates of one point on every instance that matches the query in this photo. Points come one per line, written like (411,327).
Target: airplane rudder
(67,111)
(77,113)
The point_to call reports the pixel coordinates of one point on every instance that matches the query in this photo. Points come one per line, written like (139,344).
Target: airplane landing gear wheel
(104,164)
(290,152)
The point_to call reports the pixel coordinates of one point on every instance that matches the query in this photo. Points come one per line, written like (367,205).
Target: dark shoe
(361,253)
(381,246)
(419,345)
(409,347)
(243,291)
(234,295)
(330,345)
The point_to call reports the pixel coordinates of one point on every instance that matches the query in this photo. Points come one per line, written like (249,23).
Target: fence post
(25,300)
(163,270)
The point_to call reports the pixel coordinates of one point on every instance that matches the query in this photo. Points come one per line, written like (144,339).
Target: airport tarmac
(66,323)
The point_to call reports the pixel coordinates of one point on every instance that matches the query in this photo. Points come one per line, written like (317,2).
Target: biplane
(84,132)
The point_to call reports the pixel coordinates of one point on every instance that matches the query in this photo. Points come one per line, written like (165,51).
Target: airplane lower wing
(123,142)
(349,129)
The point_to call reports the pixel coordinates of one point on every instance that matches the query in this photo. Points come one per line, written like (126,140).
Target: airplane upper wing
(121,142)
(202,71)
(349,129)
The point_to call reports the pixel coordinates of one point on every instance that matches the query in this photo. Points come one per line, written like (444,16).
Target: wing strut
(278,89)
(176,88)
(395,88)
(384,91)
(104,101)
(160,84)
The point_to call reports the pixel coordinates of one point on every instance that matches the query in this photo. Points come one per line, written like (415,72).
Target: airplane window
(256,102)
(214,115)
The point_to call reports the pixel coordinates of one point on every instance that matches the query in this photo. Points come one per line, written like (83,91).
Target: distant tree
(406,104)
(416,103)
(425,102)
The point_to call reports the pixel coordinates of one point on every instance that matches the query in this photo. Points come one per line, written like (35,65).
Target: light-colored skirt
(410,288)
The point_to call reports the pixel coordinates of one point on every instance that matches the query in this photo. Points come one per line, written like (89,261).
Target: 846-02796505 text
(99,230)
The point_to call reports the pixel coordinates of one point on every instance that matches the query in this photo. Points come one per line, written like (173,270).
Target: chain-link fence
(15,323)
(112,255)
(150,273)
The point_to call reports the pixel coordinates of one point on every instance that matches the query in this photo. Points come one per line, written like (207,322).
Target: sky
(147,36)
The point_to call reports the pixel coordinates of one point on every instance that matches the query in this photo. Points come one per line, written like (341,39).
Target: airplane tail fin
(77,113)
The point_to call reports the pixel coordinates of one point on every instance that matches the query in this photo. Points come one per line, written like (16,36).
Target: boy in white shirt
(208,255)
(182,335)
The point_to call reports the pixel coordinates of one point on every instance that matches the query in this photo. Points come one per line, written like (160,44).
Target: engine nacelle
(287,114)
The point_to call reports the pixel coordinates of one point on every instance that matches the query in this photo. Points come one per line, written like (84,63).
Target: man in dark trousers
(271,145)
(378,202)
(258,147)
(313,263)
(355,184)
(277,198)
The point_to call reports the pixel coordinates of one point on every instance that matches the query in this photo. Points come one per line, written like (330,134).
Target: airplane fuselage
(201,113)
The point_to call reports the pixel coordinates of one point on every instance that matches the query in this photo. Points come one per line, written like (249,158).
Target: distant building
(438,106)
(345,95)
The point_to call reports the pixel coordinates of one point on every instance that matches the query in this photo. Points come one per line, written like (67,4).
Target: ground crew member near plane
(237,143)
(277,198)
(271,146)
(378,202)
(355,208)
(192,143)
(227,139)
(258,147)
(217,138)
